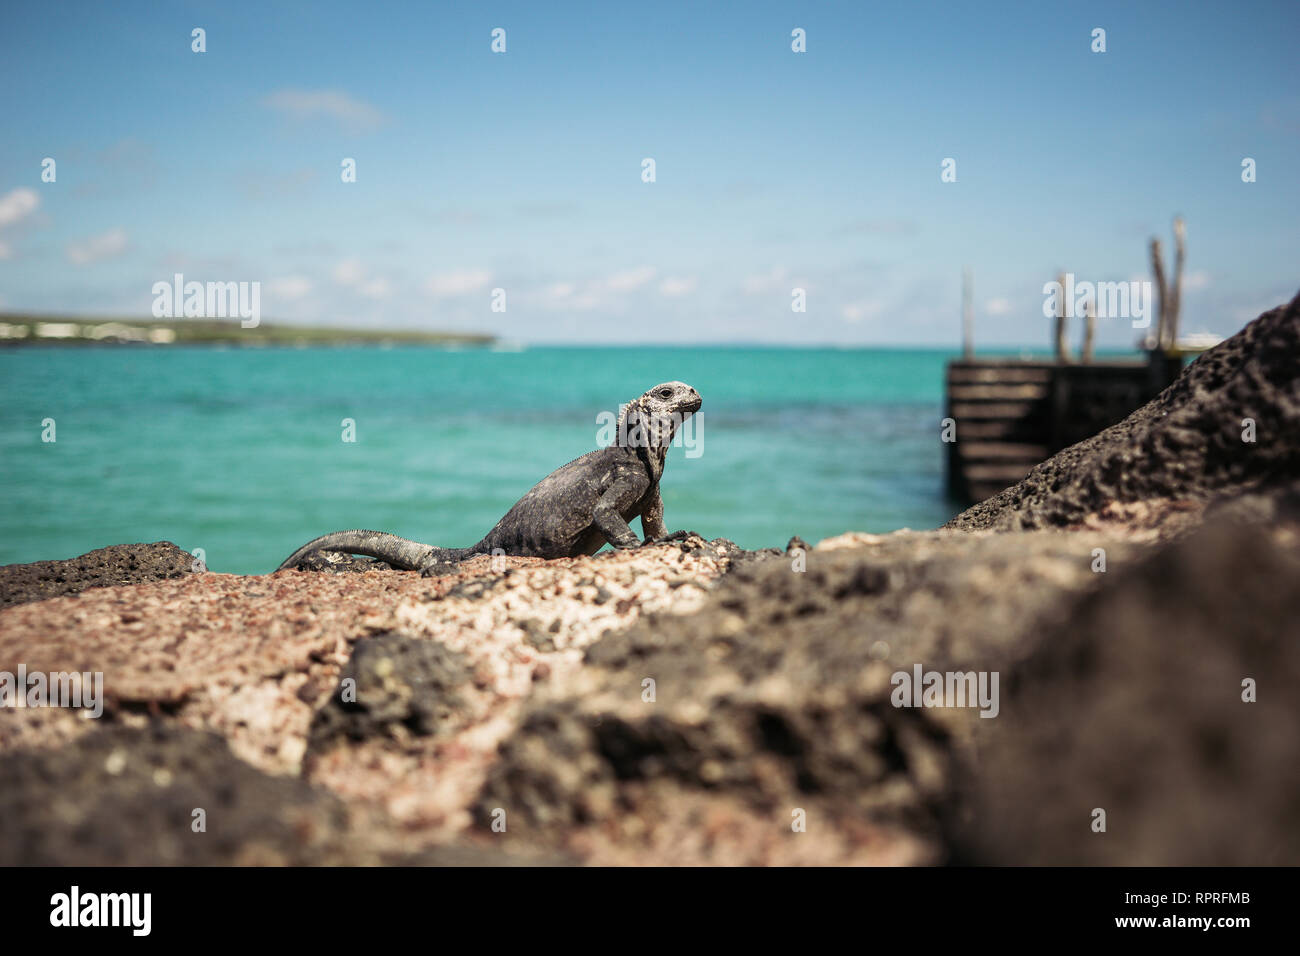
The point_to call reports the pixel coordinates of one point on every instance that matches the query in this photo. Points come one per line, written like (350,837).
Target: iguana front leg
(607,516)
(652,519)
(652,523)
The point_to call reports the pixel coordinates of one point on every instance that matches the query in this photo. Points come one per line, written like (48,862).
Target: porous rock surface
(118,564)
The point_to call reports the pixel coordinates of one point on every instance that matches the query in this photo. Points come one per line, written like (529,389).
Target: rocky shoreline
(686,703)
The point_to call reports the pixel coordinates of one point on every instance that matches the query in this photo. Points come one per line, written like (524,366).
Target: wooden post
(1176,291)
(1061,349)
(967,316)
(1089,329)
(1158,267)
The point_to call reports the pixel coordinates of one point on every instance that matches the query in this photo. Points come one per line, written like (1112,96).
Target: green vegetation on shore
(21,329)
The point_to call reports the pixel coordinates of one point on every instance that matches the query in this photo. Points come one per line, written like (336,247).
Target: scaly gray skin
(576,509)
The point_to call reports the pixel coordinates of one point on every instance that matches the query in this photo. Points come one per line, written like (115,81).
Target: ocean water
(240,452)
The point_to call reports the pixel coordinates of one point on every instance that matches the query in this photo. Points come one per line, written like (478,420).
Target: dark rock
(106,567)
(121,796)
(1135,706)
(540,635)
(737,556)
(343,563)
(440,569)
(398,681)
(1280,503)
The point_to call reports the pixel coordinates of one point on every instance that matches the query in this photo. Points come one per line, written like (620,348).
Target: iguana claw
(672,536)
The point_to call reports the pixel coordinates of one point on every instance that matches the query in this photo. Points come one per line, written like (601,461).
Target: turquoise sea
(240,452)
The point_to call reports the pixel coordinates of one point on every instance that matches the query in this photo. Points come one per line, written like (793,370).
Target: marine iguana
(574,510)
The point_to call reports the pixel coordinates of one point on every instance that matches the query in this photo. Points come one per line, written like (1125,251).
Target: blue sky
(774,169)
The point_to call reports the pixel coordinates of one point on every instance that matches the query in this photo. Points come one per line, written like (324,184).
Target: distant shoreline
(18,330)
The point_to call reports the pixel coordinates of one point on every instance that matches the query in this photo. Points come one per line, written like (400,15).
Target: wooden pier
(1009,415)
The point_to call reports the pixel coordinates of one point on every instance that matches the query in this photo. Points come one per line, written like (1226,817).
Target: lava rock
(105,567)
(393,681)
(126,796)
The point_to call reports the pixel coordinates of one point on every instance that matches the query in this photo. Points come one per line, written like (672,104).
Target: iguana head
(651,420)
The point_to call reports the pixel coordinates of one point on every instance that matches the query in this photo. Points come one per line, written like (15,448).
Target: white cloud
(587,301)
(567,296)
(769,282)
(629,280)
(376,288)
(605,292)
(673,287)
(333,104)
(98,248)
(349,272)
(289,288)
(449,284)
(1196,280)
(997,307)
(17,205)
(866,309)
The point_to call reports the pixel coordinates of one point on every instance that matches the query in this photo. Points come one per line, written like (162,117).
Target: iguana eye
(665,392)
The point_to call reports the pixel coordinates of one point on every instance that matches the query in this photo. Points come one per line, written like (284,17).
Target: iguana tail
(399,552)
